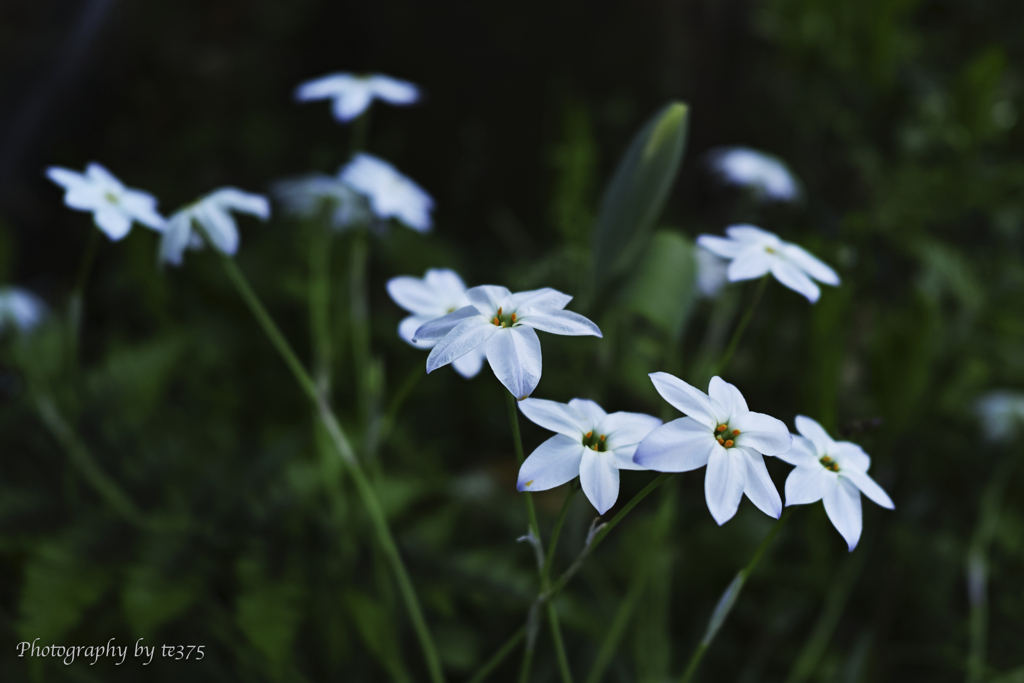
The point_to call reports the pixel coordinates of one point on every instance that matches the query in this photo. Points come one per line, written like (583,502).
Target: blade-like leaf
(665,285)
(636,195)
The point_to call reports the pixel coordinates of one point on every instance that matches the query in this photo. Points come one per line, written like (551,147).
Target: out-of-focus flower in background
(114,207)
(764,175)
(1002,414)
(712,273)
(213,213)
(318,194)
(755,252)
(438,293)
(391,194)
(721,432)
(352,94)
(589,443)
(506,324)
(833,471)
(20,309)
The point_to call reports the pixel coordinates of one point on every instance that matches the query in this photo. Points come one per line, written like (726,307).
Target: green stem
(82,459)
(618,626)
(545,576)
(556,634)
(77,300)
(728,599)
(348,457)
(504,651)
(723,362)
(524,670)
(320,304)
(385,425)
(360,132)
(358,321)
(513,418)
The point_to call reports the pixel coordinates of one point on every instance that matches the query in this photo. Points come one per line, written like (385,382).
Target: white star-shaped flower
(353,94)
(391,194)
(20,309)
(755,252)
(589,443)
(213,213)
(722,433)
(437,294)
(505,324)
(766,176)
(833,471)
(114,207)
(312,195)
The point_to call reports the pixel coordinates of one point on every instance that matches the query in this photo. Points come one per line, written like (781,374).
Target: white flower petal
(231,198)
(685,398)
(729,396)
(811,265)
(868,487)
(599,479)
(538,299)
(817,434)
(762,432)
(414,295)
(623,458)
(469,366)
(351,104)
(220,226)
(514,356)
(113,222)
(753,262)
(393,90)
(142,207)
(679,446)
(711,273)
(808,483)
(594,412)
(553,463)
(558,417)
(720,246)
(794,278)
(724,481)
(487,299)
(850,455)
(20,309)
(464,337)
(101,176)
(626,429)
(842,503)
(802,452)
(407,330)
(67,178)
(560,322)
(751,234)
(175,238)
(323,88)
(447,286)
(760,488)
(439,327)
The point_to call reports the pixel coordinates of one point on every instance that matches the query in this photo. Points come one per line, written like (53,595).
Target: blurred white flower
(755,252)
(833,471)
(766,176)
(391,194)
(312,195)
(722,433)
(213,213)
(1002,414)
(114,207)
(712,273)
(437,294)
(589,443)
(20,309)
(504,323)
(353,94)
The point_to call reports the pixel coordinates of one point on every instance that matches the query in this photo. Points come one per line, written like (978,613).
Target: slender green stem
(504,651)
(513,418)
(728,599)
(359,321)
(82,459)
(76,302)
(556,634)
(347,455)
(88,258)
(320,303)
(524,670)
(360,132)
(723,361)
(387,423)
(618,626)
(545,576)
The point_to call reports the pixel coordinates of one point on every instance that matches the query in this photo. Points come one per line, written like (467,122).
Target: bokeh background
(900,118)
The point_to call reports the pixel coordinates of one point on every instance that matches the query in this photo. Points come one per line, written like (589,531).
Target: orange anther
(588,435)
(728,443)
(601,438)
(513,317)
(495,321)
(499,310)
(735,432)
(721,442)
(721,428)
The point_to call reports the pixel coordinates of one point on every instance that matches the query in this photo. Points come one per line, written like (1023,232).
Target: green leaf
(378,631)
(269,612)
(636,195)
(665,285)
(59,587)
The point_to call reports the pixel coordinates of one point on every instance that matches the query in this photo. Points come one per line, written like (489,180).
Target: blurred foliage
(900,119)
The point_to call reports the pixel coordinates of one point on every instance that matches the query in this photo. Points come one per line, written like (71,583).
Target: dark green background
(900,119)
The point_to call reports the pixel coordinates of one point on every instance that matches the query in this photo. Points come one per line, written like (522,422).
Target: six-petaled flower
(391,194)
(114,207)
(213,214)
(352,94)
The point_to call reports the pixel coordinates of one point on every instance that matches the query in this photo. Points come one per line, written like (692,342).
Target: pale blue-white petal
(868,487)
(599,479)
(558,417)
(594,412)
(724,481)
(623,458)
(351,104)
(720,246)
(801,452)
(553,463)
(439,327)
(469,366)
(393,90)
(760,488)
(808,483)
(849,454)
(220,227)
(175,238)
(729,396)
(560,322)
(712,273)
(464,337)
(407,329)
(842,503)
(626,429)
(141,206)
(20,309)
(415,295)
(816,433)
(514,356)
(811,265)
(98,174)
(112,221)
(447,286)
(679,446)
(67,178)
(233,199)
(794,278)
(761,432)
(685,398)
(324,87)
(544,298)
(751,234)
(487,299)
(753,262)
